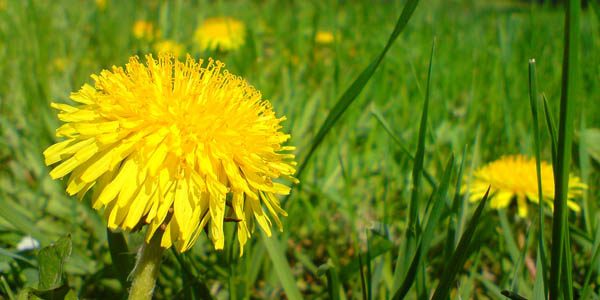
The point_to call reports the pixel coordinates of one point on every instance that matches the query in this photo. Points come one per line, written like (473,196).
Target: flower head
(60,64)
(169,46)
(101,4)
(144,30)
(179,146)
(324,37)
(224,34)
(515,176)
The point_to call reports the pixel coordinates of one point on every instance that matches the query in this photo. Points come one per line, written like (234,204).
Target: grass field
(363,223)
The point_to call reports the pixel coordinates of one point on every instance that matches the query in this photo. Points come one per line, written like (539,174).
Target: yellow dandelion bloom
(175,145)
(144,30)
(324,37)
(60,64)
(101,4)
(515,176)
(224,34)
(169,46)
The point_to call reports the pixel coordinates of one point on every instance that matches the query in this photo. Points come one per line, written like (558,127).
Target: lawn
(393,127)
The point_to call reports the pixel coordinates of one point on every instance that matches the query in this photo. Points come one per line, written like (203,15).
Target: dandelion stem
(146,269)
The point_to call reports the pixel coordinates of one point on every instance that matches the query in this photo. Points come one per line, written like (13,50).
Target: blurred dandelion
(60,64)
(101,4)
(324,37)
(514,176)
(169,46)
(177,146)
(144,30)
(220,33)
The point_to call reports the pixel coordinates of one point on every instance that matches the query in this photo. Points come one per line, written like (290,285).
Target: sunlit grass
(349,219)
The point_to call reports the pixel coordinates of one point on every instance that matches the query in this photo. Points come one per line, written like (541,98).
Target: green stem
(561,285)
(146,269)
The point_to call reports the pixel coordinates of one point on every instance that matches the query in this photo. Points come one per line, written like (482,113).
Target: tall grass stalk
(561,169)
(533,100)
(414,227)
(458,258)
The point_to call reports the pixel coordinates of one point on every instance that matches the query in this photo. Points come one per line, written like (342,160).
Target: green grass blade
(533,101)
(513,295)
(492,291)
(411,274)
(9,211)
(256,260)
(539,286)
(428,232)
(585,288)
(281,266)
(457,203)
(463,205)
(386,126)
(413,216)
(363,280)
(454,230)
(15,256)
(369,278)
(122,259)
(514,287)
(460,255)
(567,268)
(357,86)
(565,136)
(333,280)
(589,207)
(388,129)
(193,287)
(378,245)
(420,154)
(507,234)
(551,128)
(417,171)
(505,51)
(596,8)
(6,288)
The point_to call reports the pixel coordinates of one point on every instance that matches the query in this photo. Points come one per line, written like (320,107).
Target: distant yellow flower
(324,37)
(144,30)
(169,46)
(60,64)
(515,177)
(224,33)
(101,4)
(178,146)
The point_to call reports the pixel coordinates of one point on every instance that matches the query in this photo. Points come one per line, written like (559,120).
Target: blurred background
(351,209)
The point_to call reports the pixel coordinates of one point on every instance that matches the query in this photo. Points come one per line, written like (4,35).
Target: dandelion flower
(179,146)
(222,33)
(60,64)
(101,4)
(324,37)
(515,176)
(144,30)
(169,46)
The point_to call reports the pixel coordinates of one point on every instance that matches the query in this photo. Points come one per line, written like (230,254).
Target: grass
(370,115)
(561,281)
